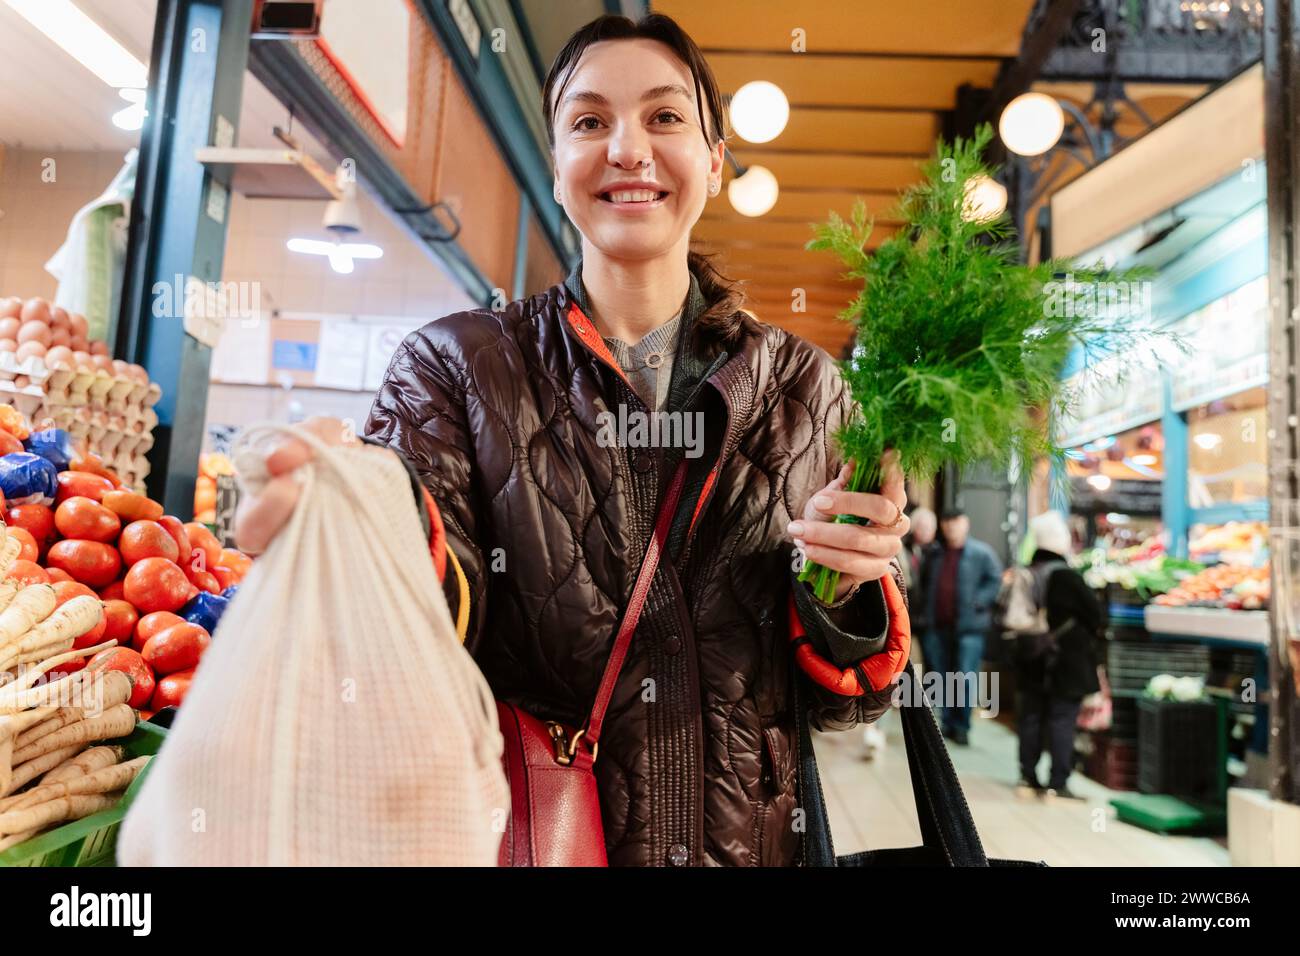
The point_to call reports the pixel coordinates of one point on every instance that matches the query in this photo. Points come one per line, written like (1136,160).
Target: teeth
(637,195)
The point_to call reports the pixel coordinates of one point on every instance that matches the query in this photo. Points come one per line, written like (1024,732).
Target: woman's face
(628,118)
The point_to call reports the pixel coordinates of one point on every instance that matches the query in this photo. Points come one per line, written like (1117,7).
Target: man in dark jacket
(1052,687)
(962,580)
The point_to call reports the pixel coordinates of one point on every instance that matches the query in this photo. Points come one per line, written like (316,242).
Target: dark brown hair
(721,320)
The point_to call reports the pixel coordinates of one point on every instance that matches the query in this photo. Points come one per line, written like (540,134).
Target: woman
(522,426)
(1053,685)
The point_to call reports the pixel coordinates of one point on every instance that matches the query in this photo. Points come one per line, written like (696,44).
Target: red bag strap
(633,614)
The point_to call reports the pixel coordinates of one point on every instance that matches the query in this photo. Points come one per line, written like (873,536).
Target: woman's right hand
(260,517)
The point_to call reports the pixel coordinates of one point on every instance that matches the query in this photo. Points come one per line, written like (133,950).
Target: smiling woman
(630,592)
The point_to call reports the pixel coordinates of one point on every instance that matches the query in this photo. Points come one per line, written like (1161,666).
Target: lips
(633,197)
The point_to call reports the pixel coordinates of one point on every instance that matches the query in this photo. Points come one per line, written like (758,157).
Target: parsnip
(30,718)
(61,717)
(7,841)
(9,552)
(88,761)
(9,589)
(57,811)
(115,722)
(24,774)
(70,620)
(32,605)
(21,695)
(115,777)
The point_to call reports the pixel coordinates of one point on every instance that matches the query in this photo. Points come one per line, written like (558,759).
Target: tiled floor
(870,805)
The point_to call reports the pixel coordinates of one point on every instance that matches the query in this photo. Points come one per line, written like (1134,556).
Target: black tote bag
(948,835)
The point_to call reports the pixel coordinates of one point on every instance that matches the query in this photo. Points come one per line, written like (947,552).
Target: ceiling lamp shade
(1031,124)
(753,193)
(759,111)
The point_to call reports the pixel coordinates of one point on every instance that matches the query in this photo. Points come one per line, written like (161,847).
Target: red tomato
(112,593)
(204,581)
(28,573)
(156,584)
(90,562)
(30,551)
(83,484)
(58,574)
(176,648)
(236,560)
(151,624)
(86,520)
(202,538)
(64,669)
(182,538)
(225,577)
(172,690)
(133,666)
(9,445)
(146,539)
(119,621)
(65,591)
(37,519)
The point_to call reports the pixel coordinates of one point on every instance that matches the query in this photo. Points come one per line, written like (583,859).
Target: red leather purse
(554,803)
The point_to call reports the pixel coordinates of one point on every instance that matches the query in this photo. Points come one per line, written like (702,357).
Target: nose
(629,147)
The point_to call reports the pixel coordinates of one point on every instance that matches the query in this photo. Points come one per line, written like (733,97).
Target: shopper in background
(1052,686)
(916,547)
(962,580)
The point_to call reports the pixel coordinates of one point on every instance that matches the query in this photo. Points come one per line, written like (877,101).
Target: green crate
(92,840)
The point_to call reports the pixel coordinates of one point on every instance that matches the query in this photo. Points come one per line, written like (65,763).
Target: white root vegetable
(115,722)
(32,605)
(7,736)
(7,841)
(61,717)
(9,588)
(68,621)
(88,761)
(106,780)
(9,552)
(57,811)
(24,774)
(28,719)
(20,695)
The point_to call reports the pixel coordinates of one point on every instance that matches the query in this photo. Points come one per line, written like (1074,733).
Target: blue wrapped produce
(205,610)
(53,444)
(28,479)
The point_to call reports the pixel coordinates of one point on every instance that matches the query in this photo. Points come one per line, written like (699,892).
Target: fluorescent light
(132,117)
(341,255)
(84,40)
(1145,459)
(1208,440)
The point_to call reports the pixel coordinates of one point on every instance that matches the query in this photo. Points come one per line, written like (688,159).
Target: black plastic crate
(1178,747)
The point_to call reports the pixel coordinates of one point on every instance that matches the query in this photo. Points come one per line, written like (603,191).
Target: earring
(714,186)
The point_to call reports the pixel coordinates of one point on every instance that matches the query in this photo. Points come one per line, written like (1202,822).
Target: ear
(718,158)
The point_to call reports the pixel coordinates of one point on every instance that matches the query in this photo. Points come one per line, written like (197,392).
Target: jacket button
(643,463)
(678,855)
(673,646)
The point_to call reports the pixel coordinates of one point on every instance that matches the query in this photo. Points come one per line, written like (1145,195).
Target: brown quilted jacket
(498,414)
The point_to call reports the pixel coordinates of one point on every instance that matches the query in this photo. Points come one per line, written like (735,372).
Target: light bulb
(1031,124)
(985,199)
(754,193)
(759,111)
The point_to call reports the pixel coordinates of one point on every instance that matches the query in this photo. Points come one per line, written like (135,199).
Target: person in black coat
(1052,689)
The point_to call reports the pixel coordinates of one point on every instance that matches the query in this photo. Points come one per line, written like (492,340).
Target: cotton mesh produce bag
(336,719)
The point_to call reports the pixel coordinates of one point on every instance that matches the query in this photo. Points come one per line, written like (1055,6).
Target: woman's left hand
(860,553)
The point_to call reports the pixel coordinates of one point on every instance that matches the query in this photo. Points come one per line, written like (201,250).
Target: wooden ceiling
(865,104)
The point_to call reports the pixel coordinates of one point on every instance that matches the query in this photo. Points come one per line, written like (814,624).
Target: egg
(11,307)
(80,327)
(60,337)
(27,349)
(35,310)
(8,345)
(21,381)
(101,361)
(9,328)
(35,331)
(99,347)
(139,374)
(79,344)
(59,318)
(59,355)
(81,360)
(119,368)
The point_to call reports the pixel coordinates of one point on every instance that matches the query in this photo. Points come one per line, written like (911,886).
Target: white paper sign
(341,358)
(384,340)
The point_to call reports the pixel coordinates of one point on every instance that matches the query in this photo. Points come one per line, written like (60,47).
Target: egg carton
(26,400)
(33,367)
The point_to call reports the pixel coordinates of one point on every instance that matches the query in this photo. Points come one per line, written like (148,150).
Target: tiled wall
(35,214)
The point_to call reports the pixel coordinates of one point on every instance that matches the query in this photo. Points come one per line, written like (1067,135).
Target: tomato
(236,560)
(64,669)
(80,517)
(9,445)
(129,506)
(65,591)
(179,535)
(119,621)
(30,551)
(204,581)
(28,572)
(156,584)
(112,593)
(202,538)
(172,690)
(58,574)
(225,577)
(37,519)
(90,562)
(132,665)
(146,539)
(95,466)
(151,624)
(176,648)
(81,484)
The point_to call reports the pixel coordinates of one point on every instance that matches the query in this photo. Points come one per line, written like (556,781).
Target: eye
(670,114)
(582,119)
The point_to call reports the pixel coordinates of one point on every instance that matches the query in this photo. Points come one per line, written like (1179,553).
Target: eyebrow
(591,96)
